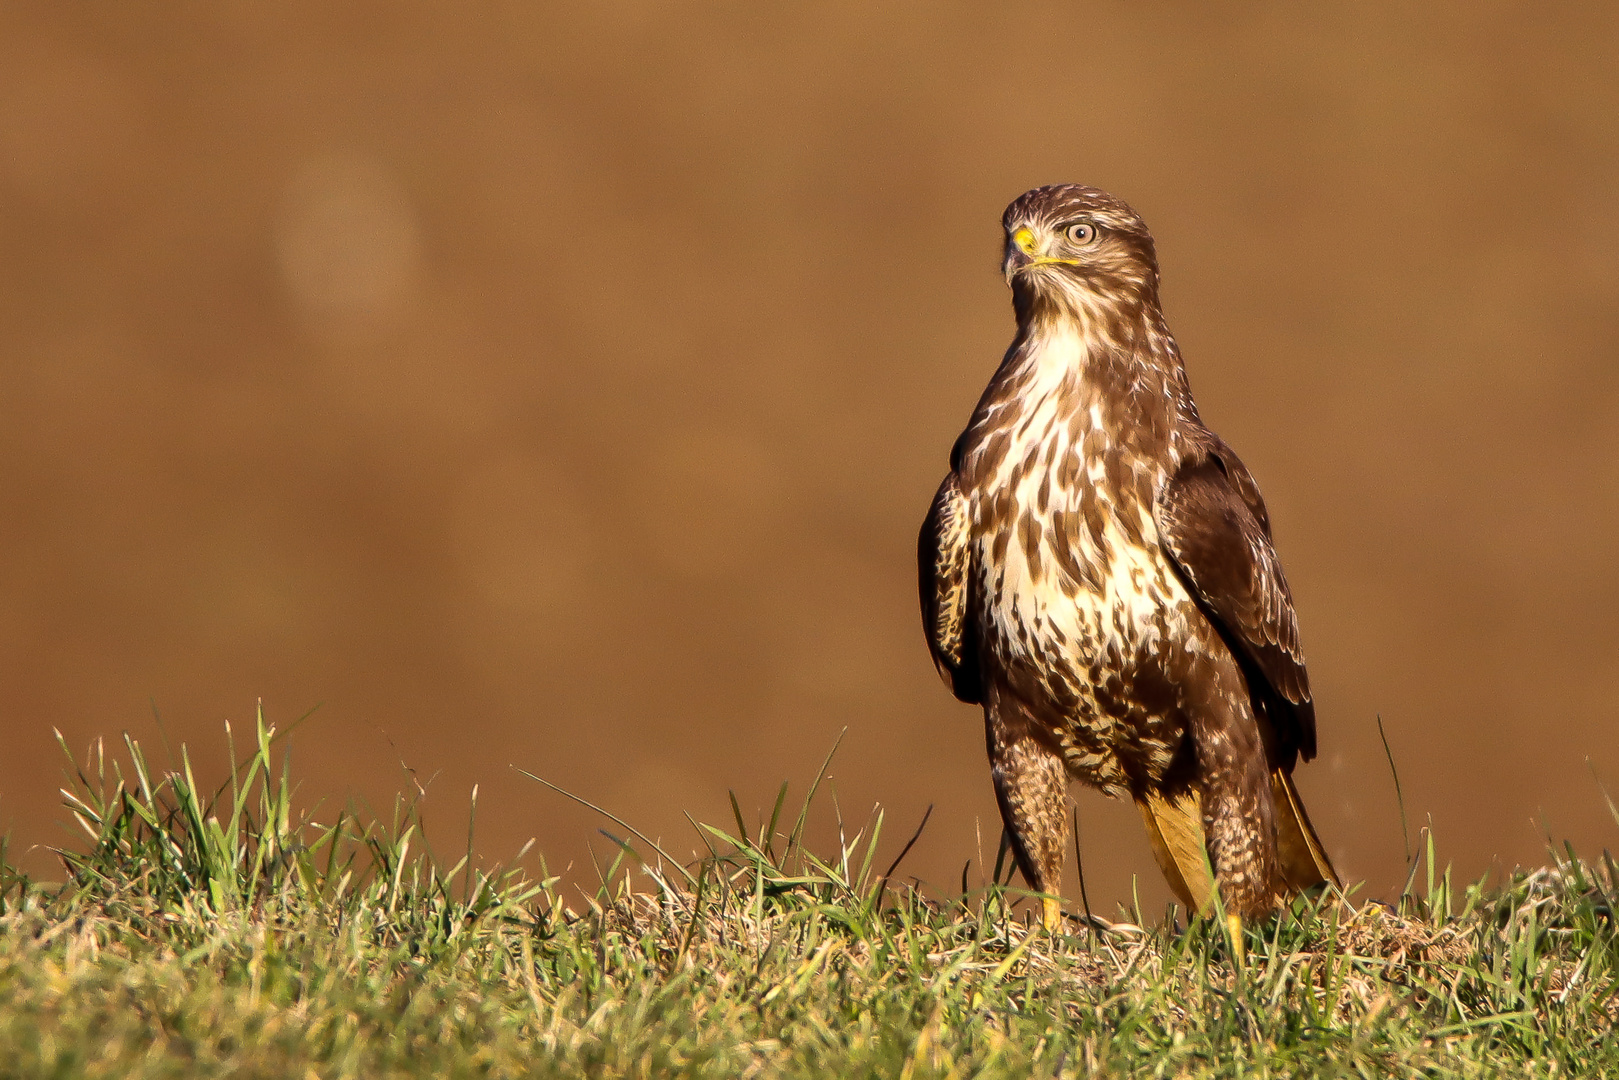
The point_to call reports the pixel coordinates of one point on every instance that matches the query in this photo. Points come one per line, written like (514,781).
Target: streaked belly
(1089,657)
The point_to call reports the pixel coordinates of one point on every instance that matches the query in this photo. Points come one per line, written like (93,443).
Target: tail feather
(1175,829)
(1304,862)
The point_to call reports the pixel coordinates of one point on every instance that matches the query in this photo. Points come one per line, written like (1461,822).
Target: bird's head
(1077,248)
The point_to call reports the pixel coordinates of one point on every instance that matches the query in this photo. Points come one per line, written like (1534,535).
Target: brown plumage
(1097,573)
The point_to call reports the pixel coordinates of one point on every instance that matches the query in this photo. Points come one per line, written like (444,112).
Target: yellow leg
(1050,913)
(1233,925)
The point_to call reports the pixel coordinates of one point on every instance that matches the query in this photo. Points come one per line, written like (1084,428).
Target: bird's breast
(1061,465)
(1070,561)
(1072,586)
(1078,612)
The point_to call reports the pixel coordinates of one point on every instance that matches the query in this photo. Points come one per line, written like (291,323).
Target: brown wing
(1212,523)
(942,572)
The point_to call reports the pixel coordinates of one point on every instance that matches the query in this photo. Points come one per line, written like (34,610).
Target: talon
(1050,913)
(1233,925)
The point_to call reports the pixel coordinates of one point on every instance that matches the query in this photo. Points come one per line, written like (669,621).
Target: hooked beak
(1023,253)
(1020,252)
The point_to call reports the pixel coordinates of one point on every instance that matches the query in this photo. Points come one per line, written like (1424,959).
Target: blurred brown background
(562,387)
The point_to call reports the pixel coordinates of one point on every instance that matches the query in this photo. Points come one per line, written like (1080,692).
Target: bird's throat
(1062,347)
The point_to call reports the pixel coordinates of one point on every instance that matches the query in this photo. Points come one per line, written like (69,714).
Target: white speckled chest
(1073,596)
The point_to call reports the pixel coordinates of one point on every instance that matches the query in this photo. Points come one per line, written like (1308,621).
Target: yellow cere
(1024,239)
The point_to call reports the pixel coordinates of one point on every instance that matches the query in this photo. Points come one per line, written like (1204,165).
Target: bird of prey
(1097,572)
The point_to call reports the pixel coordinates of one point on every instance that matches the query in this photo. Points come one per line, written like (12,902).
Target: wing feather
(1212,523)
(942,566)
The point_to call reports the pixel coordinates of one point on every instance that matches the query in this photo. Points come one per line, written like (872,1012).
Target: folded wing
(1212,523)
(942,571)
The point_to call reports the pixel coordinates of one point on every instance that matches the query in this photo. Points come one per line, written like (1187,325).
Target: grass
(203,934)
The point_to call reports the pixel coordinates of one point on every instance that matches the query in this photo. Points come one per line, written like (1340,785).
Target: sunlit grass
(204,933)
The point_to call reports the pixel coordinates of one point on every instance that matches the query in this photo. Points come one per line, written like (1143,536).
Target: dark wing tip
(1305,712)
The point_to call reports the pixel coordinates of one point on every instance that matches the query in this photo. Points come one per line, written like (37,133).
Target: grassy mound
(199,936)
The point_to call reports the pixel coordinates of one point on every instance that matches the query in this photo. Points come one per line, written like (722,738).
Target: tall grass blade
(1399,794)
(904,851)
(615,819)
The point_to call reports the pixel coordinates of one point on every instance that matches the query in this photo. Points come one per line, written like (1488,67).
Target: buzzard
(1097,572)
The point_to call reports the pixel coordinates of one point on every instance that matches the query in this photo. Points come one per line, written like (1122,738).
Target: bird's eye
(1080,232)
